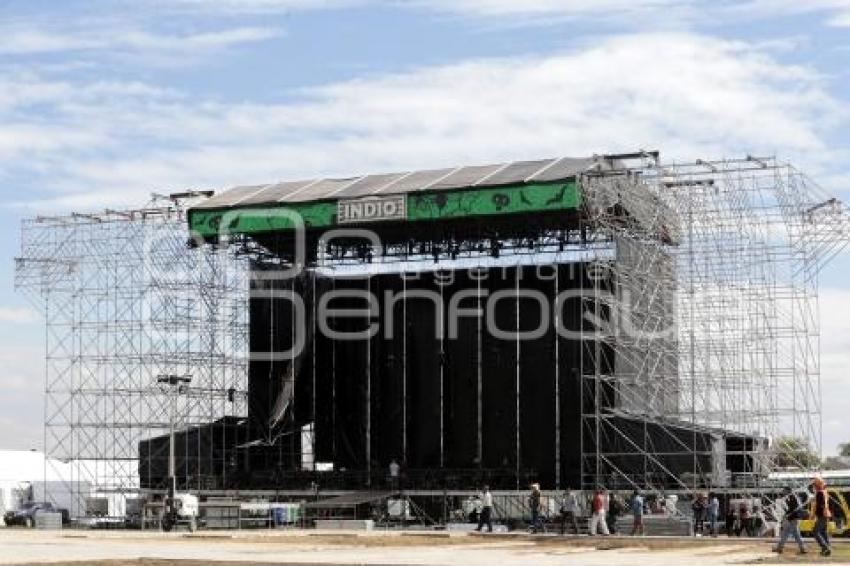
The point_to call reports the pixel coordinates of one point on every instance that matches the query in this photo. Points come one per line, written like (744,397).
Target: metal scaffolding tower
(724,255)
(127,298)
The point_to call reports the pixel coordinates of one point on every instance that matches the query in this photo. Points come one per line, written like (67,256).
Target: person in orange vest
(822,516)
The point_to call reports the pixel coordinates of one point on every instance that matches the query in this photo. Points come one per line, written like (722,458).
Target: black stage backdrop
(443,402)
(455,405)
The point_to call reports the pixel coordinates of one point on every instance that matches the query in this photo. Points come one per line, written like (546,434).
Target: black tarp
(203,455)
(413,391)
(451,409)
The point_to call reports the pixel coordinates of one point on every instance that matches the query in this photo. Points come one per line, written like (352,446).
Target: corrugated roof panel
(326,188)
(275,193)
(564,168)
(416,181)
(230,196)
(399,183)
(516,172)
(466,177)
(368,185)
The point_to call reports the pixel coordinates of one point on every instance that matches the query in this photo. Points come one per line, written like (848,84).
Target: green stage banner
(424,206)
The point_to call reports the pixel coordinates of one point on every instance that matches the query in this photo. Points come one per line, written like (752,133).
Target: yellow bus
(840,513)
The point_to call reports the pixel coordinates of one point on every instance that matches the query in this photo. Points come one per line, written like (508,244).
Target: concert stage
(481,341)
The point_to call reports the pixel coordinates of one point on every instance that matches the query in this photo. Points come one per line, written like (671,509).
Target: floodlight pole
(178,382)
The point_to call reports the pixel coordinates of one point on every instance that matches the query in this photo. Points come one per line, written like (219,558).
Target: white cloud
(18,315)
(199,41)
(22,383)
(608,10)
(21,138)
(689,95)
(22,432)
(538,11)
(841,20)
(638,14)
(22,91)
(38,41)
(491,8)
(26,40)
(258,6)
(772,8)
(834,304)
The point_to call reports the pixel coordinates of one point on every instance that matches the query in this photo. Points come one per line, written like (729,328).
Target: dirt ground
(297,548)
(840,555)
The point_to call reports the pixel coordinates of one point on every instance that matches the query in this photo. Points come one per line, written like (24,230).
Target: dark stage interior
(453,404)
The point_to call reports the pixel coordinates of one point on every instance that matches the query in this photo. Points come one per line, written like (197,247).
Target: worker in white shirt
(486,515)
(395,469)
(569,511)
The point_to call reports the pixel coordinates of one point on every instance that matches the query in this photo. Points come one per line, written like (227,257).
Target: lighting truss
(127,299)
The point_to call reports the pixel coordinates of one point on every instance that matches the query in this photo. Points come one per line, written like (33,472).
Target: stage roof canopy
(515,173)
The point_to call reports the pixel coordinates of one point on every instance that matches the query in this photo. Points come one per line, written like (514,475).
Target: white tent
(23,475)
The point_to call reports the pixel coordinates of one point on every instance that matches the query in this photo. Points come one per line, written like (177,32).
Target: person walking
(730,519)
(615,509)
(822,516)
(569,511)
(713,514)
(486,515)
(744,520)
(699,509)
(637,514)
(790,522)
(534,504)
(597,518)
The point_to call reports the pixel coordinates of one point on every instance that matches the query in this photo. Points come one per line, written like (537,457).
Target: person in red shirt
(598,507)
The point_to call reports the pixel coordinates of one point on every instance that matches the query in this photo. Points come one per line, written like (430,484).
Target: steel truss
(702,343)
(726,255)
(126,299)
(704,321)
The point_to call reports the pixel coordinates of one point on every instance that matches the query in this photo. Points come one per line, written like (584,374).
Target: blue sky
(102,103)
